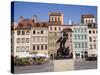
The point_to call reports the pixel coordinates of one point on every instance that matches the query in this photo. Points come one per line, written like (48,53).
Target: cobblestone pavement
(81,64)
(63,65)
(48,67)
(58,65)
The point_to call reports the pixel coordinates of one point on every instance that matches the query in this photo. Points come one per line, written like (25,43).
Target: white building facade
(22,42)
(80,41)
(39,39)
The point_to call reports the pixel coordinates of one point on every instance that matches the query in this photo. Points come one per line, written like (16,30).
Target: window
(89,31)
(94,39)
(79,45)
(96,31)
(82,45)
(23,40)
(41,31)
(52,19)
(55,19)
(85,30)
(50,28)
(94,46)
(37,47)
(93,31)
(38,32)
(90,38)
(18,32)
(27,40)
(45,47)
(75,45)
(85,36)
(81,29)
(75,36)
(90,46)
(18,49)
(22,49)
(33,47)
(42,39)
(55,28)
(18,40)
(78,36)
(59,28)
(38,39)
(46,39)
(34,32)
(86,21)
(41,47)
(82,37)
(85,45)
(23,32)
(91,21)
(27,32)
(78,30)
(75,30)
(33,39)
(27,48)
(58,18)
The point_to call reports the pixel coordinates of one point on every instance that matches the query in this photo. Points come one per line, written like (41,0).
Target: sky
(71,12)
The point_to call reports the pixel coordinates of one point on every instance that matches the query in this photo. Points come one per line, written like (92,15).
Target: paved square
(81,64)
(48,67)
(64,65)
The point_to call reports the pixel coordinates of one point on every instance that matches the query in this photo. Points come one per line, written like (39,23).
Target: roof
(87,16)
(29,23)
(55,14)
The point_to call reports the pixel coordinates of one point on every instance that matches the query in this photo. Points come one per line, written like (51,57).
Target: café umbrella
(40,55)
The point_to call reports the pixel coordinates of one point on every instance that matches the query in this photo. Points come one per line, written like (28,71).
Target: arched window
(23,40)
(18,40)
(27,48)
(27,40)
(22,49)
(18,49)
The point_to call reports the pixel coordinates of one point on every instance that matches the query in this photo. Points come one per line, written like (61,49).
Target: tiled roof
(55,14)
(29,23)
(87,16)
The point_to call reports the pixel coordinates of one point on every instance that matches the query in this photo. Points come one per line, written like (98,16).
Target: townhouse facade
(80,44)
(33,37)
(22,41)
(54,29)
(90,21)
(39,38)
